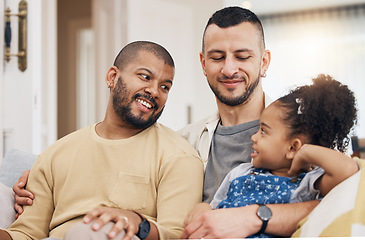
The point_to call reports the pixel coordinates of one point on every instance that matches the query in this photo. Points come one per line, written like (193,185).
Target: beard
(123,109)
(234,101)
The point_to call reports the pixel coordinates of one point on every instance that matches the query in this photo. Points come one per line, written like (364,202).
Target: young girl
(298,132)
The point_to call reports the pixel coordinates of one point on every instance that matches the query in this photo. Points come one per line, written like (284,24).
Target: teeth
(144,103)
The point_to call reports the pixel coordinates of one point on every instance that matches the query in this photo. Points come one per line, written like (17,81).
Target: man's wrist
(264,213)
(258,221)
(143,228)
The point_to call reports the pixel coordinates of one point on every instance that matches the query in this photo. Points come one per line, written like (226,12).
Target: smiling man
(125,173)
(234,60)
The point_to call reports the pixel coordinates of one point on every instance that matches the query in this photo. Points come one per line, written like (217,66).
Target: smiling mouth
(144,103)
(254,153)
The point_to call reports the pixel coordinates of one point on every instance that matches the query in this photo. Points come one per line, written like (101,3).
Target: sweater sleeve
(35,220)
(180,189)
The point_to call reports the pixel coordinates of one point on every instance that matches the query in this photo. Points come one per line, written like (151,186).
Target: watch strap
(263,226)
(265,214)
(142,234)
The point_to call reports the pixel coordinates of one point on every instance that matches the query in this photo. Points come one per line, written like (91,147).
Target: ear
(111,77)
(202,61)
(266,59)
(294,147)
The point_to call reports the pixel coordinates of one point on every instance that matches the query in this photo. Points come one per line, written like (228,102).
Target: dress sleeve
(306,190)
(34,222)
(221,193)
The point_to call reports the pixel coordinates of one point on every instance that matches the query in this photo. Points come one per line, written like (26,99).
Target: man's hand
(123,219)
(22,196)
(225,223)
(196,212)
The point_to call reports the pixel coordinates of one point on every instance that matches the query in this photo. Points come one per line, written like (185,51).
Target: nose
(254,137)
(152,89)
(229,68)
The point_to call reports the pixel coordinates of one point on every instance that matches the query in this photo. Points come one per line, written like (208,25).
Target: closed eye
(243,58)
(217,58)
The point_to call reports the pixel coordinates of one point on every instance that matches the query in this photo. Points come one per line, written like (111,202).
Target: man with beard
(125,173)
(234,60)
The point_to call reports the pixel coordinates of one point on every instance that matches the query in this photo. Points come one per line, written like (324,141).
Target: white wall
(178,26)
(307,44)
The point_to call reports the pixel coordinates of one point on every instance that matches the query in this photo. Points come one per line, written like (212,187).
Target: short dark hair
(232,16)
(131,50)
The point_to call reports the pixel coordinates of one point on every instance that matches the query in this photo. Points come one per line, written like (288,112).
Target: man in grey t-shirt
(234,60)
(230,147)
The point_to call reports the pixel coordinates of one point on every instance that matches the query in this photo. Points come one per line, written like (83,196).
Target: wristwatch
(264,213)
(144,227)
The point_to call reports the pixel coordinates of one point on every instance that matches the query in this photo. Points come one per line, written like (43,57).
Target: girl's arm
(337,166)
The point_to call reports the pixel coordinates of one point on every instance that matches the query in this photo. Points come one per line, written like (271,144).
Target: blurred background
(72,44)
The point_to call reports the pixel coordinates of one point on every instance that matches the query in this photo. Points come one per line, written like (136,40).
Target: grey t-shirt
(230,147)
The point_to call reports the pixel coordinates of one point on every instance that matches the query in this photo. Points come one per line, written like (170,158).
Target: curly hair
(324,112)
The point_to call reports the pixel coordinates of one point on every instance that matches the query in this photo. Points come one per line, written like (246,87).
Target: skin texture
(234,63)
(272,147)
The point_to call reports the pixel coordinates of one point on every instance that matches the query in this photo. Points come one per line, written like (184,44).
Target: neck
(113,128)
(245,112)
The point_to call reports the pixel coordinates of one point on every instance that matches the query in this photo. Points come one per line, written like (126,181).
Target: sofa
(14,163)
(340,214)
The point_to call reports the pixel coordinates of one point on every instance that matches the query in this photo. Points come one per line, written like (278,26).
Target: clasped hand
(123,219)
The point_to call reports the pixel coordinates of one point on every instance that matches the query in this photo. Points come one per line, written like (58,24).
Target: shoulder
(194,130)
(69,141)
(240,170)
(172,141)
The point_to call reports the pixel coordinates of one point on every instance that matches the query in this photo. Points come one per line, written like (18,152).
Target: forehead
(272,115)
(242,36)
(149,61)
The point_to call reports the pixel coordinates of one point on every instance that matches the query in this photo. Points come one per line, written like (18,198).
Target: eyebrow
(147,70)
(236,51)
(265,125)
(244,50)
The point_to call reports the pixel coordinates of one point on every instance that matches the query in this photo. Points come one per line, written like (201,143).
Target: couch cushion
(6,206)
(15,162)
(341,212)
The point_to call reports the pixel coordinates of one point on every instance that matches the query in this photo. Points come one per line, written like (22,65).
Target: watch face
(264,213)
(144,229)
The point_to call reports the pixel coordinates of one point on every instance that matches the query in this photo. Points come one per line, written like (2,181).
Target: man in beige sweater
(127,170)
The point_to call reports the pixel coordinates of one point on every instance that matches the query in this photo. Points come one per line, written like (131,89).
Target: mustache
(148,97)
(233,77)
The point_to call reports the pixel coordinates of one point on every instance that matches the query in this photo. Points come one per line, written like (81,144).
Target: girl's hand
(299,163)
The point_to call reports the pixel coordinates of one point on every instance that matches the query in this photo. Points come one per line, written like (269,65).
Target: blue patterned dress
(259,186)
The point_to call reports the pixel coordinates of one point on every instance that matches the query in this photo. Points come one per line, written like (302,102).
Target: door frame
(45,114)
(42,67)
